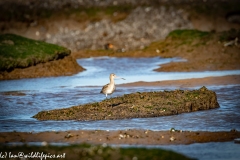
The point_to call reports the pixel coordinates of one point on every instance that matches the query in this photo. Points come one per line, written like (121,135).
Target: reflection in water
(61,92)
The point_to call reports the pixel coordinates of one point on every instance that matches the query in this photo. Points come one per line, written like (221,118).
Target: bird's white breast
(110,88)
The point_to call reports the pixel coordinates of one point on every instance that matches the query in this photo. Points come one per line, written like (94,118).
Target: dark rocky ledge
(137,105)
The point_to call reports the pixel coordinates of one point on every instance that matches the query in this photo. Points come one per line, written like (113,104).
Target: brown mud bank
(203,51)
(137,105)
(193,82)
(61,67)
(133,137)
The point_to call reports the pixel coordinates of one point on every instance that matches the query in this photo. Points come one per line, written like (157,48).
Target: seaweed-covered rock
(138,105)
(22,57)
(20,52)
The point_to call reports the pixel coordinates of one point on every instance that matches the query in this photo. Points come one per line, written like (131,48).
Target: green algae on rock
(137,105)
(88,151)
(21,57)
(20,52)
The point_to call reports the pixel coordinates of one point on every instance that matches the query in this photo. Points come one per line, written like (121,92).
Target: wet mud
(137,105)
(131,136)
(62,67)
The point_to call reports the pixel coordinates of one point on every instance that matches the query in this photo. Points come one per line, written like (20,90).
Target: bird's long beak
(120,78)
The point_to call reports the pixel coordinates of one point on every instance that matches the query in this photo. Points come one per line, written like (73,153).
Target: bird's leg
(110,98)
(111,101)
(111,104)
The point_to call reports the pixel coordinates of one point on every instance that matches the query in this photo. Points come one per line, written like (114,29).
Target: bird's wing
(104,88)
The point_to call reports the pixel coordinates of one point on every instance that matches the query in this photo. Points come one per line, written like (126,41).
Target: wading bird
(110,87)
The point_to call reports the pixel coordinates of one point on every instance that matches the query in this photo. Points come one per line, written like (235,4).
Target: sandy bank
(134,137)
(223,80)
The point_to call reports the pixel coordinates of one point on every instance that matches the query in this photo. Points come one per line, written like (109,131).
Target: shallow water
(212,150)
(206,151)
(60,92)
(98,70)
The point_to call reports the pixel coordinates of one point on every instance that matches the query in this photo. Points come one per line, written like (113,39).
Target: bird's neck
(111,80)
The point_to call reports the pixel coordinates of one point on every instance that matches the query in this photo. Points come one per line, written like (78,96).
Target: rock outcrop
(138,105)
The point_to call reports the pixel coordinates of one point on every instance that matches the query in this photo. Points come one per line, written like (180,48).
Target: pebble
(172,138)
(121,136)
(172,130)
(44,143)
(104,145)
(69,135)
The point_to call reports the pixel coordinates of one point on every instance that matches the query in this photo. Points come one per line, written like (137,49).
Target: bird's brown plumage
(110,87)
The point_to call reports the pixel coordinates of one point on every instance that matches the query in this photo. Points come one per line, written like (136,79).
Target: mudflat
(207,81)
(132,136)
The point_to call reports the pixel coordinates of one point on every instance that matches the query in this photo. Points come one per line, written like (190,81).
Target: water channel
(23,98)
(60,92)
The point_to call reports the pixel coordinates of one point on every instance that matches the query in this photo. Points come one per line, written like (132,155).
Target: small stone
(121,136)
(104,145)
(172,138)
(37,33)
(172,130)
(44,143)
(69,135)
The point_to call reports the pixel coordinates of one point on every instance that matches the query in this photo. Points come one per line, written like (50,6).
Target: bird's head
(113,76)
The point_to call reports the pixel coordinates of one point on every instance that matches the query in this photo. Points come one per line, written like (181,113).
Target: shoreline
(194,82)
(120,137)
